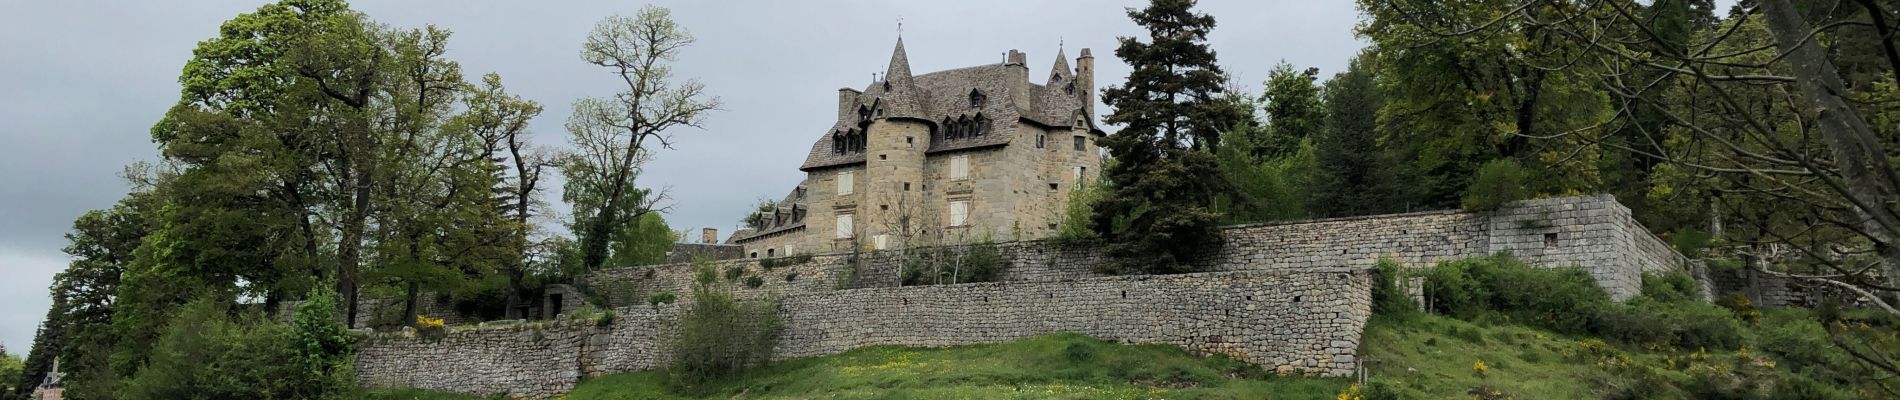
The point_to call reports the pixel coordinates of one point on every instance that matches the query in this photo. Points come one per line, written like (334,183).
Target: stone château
(955,156)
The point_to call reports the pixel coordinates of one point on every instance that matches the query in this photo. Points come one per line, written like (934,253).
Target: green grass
(1062,366)
(411,394)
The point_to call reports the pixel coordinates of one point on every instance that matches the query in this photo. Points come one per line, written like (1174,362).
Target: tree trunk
(409,303)
(1868,180)
(349,249)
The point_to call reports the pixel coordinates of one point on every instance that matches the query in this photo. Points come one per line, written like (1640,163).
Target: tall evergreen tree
(1351,178)
(1171,111)
(1293,110)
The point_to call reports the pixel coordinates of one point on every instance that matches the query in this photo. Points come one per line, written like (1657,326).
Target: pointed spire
(899,71)
(1062,67)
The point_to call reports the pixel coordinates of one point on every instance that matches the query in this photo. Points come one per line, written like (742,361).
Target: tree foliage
(1165,175)
(614,136)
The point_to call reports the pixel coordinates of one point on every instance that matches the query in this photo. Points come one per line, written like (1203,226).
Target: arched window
(977,99)
(980,125)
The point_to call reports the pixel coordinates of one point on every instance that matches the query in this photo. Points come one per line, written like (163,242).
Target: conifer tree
(1351,177)
(1171,111)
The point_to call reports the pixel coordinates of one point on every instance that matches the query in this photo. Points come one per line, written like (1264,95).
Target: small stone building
(955,156)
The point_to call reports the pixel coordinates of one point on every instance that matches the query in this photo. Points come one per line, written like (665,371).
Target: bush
(663,297)
(1389,296)
(734,272)
(205,353)
(754,281)
(1682,325)
(1496,183)
(719,335)
(1560,299)
(791,277)
(773,263)
(1669,287)
(606,318)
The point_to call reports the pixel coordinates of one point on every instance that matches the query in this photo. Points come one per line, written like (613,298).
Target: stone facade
(956,156)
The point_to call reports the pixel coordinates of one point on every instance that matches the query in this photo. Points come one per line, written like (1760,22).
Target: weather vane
(900,26)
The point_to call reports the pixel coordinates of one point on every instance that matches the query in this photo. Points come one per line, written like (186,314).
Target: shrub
(1561,299)
(1739,304)
(1669,287)
(719,335)
(754,281)
(773,263)
(1682,324)
(1388,292)
(662,297)
(1496,183)
(320,347)
(791,277)
(605,319)
(206,353)
(429,327)
(734,272)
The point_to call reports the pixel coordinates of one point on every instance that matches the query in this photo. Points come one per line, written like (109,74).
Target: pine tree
(1351,177)
(1164,175)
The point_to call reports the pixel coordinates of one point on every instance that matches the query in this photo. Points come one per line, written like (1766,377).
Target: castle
(962,155)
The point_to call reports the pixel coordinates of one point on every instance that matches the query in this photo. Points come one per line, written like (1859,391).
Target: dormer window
(847,142)
(1070,88)
(965,127)
(977,99)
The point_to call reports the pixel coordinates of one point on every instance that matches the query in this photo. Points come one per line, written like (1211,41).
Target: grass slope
(1065,366)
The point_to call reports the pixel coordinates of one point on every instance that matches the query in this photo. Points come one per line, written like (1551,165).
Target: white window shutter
(959,213)
(844,226)
(883,241)
(960,167)
(844,182)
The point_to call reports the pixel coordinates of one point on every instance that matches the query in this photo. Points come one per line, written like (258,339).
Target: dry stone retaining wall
(1288,296)
(1289,321)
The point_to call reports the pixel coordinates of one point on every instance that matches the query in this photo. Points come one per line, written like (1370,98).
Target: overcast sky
(82,81)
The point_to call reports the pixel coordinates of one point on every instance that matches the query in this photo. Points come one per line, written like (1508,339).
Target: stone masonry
(1287,321)
(1291,297)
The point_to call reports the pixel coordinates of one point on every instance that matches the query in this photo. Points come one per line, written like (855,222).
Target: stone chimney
(847,97)
(1085,82)
(709,235)
(1018,78)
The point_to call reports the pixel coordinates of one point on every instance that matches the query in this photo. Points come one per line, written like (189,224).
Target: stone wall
(1289,321)
(521,360)
(1288,296)
(1591,232)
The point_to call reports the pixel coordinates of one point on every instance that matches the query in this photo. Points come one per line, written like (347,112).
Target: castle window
(960,213)
(1040,139)
(977,99)
(1070,88)
(1053,186)
(768,252)
(844,182)
(1081,175)
(960,167)
(1081,143)
(881,242)
(844,227)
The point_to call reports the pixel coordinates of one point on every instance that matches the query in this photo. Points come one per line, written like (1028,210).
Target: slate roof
(790,213)
(934,97)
